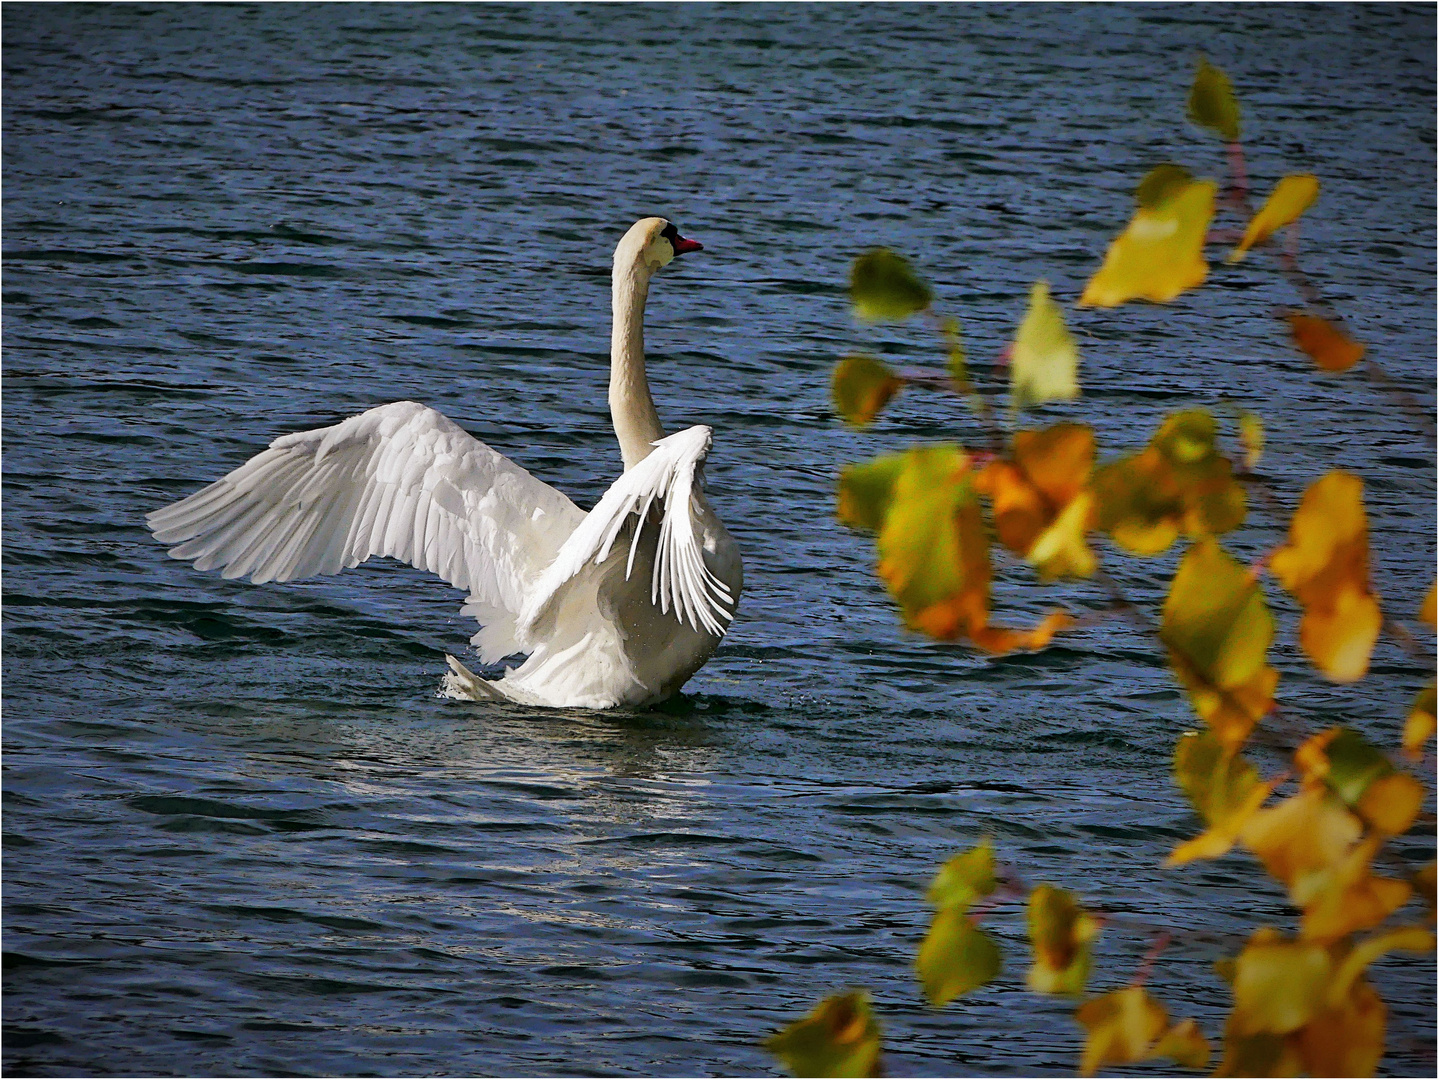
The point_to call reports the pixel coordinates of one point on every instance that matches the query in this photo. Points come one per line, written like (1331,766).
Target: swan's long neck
(632,410)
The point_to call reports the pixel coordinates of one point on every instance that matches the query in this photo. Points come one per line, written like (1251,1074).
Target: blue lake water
(243,835)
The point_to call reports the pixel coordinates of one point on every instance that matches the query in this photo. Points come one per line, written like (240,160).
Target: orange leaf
(1041,509)
(1325,565)
(1327,344)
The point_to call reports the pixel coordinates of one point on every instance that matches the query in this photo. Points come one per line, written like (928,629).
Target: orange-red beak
(682,245)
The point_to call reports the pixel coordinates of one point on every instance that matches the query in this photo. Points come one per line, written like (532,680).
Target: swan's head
(650,244)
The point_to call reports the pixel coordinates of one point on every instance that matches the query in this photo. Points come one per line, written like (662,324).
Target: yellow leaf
(1062,549)
(883,287)
(1351,967)
(1290,198)
(1122,1027)
(1211,101)
(1224,789)
(1041,510)
(1160,254)
(1419,727)
(1218,630)
(1061,933)
(861,387)
(956,957)
(1044,360)
(1326,566)
(1346,897)
(1185,1044)
(1326,344)
(965,878)
(1278,985)
(1301,835)
(1251,434)
(865,491)
(1391,803)
(840,1037)
(1426,609)
(1339,636)
(1346,1039)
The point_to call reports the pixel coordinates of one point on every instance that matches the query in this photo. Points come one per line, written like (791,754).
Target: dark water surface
(242,835)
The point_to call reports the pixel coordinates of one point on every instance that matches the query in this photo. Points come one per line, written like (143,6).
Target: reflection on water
(243,835)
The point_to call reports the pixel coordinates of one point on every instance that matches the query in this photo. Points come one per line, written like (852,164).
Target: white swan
(615,607)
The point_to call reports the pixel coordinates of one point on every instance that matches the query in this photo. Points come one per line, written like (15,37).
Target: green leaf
(1215,616)
(958,361)
(865,491)
(861,387)
(965,878)
(956,957)
(883,287)
(840,1037)
(1354,765)
(1162,183)
(1045,360)
(1212,103)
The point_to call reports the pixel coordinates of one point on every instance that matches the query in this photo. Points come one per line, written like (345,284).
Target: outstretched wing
(681,580)
(399,480)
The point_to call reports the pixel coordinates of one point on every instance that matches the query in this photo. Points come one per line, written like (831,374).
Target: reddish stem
(1147,964)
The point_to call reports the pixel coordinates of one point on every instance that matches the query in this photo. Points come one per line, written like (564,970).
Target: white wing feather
(681,578)
(399,480)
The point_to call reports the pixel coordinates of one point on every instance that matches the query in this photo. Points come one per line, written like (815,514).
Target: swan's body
(619,606)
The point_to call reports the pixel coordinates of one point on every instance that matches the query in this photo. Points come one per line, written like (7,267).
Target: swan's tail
(463,684)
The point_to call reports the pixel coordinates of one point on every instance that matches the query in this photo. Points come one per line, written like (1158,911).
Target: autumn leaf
(956,957)
(1363,953)
(1044,359)
(1125,1026)
(1161,184)
(1061,933)
(1347,896)
(1426,609)
(1387,799)
(883,287)
(933,551)
(1326,566)
(1278,984)
(1224,789)
(1251,435)
(934,555)
(1290,198)
(1218,630)
(1327,345)
(1040,506)
(967,877)
(1161,252)
(1300,839)
(1180,483)
(1211,101)
(865,491)
(1345,1039)
(1419,726)
(840,1037)
(958,364)
(861,387)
